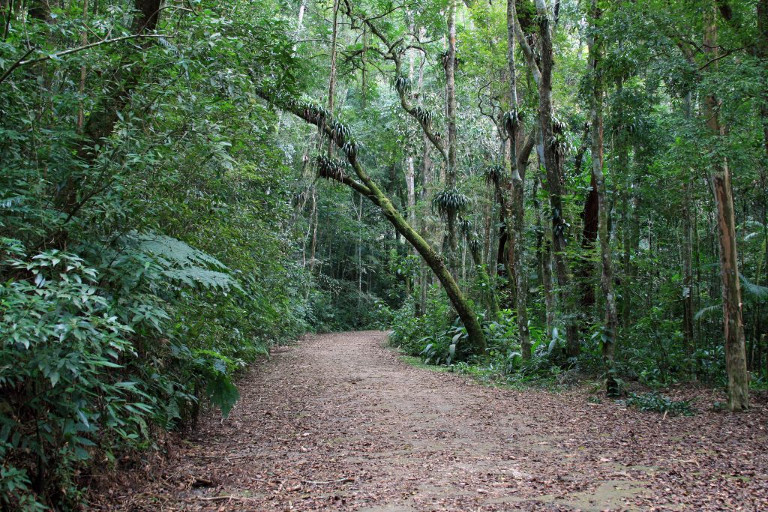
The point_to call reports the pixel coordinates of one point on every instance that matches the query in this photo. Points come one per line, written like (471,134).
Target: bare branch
(15,65)
(530,58)
(63,53)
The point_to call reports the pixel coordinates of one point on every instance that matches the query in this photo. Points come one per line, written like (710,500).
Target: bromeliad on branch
(368,188)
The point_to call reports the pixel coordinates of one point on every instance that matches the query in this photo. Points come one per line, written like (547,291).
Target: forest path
(339,422)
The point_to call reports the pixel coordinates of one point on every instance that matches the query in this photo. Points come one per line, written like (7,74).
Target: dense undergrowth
(436,338)
(145,251)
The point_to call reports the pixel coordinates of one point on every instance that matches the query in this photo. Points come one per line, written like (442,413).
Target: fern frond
(751,288)
(197,276)
(707,310)
(172,252)
(182,263)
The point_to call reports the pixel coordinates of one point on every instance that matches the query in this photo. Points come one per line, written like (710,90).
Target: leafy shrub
(65,392)
(656,402)
(413,333)
(91,358)
(443,347)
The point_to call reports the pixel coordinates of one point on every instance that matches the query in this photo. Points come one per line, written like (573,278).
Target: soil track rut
(338,422)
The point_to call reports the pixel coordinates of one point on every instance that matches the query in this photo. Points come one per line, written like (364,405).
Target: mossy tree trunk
(368,188)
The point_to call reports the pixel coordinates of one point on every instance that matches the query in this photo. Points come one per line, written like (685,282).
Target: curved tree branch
(394,54)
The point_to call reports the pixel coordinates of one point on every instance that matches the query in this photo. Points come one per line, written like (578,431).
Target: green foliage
(431,337)
(450,200)
(413,334)
(656,402)
(161,227)
(62,372)
(146,256)
(216,371)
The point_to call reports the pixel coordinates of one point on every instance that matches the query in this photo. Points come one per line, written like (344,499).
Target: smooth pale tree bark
(720,176)
(449,65)
(610,332)
(516,188)
(687,252)
(332,76)
(410,185)
(553,161)
(410,175)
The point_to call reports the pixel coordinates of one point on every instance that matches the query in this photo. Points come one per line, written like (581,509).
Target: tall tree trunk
(313,220)
(585,267)
(598,177)
(516,187)
(553,164)
(687,253)
(426,187)
(544,261)
(359,251)
(332,76)
(449,64)
(735,351)
(687,257)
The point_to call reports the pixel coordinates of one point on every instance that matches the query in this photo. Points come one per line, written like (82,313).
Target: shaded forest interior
(532,192)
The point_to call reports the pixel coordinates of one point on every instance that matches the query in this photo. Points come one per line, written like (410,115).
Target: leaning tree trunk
(735,351)
(368,188)
(462,306)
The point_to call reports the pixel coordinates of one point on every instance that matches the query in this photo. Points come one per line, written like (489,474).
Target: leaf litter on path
(339,422)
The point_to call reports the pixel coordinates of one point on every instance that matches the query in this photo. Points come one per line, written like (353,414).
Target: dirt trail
(338,422)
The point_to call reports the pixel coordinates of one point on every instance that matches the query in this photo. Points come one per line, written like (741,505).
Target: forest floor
(340,422)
